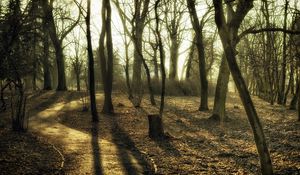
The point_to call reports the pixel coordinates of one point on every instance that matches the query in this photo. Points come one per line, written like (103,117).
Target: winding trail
(84,152)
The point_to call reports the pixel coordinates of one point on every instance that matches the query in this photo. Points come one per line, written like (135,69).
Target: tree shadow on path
(127,151)
(98,170)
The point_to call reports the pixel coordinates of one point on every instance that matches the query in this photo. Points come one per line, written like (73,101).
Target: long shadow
(98,170)
(207,124)
(125,145)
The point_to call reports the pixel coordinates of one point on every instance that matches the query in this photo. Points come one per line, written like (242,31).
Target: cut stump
(156,130)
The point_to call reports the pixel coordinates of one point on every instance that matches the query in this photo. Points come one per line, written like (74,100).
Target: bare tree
(57,41)
(228,32)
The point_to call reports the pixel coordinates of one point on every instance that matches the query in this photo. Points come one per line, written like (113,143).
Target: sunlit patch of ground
(119,144)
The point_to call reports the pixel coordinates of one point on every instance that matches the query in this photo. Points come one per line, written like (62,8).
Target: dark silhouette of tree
(106,57)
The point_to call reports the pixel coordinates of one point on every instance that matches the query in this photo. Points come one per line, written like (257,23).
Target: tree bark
(46,64)
(221,92)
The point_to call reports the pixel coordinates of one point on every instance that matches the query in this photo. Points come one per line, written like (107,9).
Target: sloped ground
(119,144)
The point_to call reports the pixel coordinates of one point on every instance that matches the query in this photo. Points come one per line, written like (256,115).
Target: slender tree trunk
(283,65)
(156,72)
(173,57)
(127,68)
(201,55)
(221,91)
(229,49)
(294,101)
(156,129)
(150,88)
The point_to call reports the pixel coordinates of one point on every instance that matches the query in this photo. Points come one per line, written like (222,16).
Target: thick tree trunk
(106,60)
(91,66)
(137,85)
(201,55)
(221,92)
(60,62)
(46,64)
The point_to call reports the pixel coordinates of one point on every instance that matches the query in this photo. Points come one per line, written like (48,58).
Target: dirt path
(85,152)
(120,144)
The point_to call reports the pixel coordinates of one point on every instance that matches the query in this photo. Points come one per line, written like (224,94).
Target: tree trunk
(294,101)
(156,72)
(173,57)
(61,76)
(156,130)
(283,65)
(46,64)
(137,85)
(93,103)
(201,55)
(60,62)
(127,67)
(151,93)
(229,49)
(190,60)
(298,106)
(221,92)
(106,60)
(77,74)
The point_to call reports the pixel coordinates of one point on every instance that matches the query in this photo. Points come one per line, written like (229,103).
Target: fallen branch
(61,155)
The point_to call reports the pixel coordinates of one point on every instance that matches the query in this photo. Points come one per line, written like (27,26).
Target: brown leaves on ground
(24,153)
(196,145)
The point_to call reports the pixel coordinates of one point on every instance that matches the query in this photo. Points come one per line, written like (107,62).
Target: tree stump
(156,130)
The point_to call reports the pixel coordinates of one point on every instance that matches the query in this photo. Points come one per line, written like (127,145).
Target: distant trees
(174,11)
(57,41)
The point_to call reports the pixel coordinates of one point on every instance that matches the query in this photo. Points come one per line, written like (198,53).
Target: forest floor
(63,140)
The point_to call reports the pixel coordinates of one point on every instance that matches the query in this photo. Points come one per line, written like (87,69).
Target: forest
(149,87)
